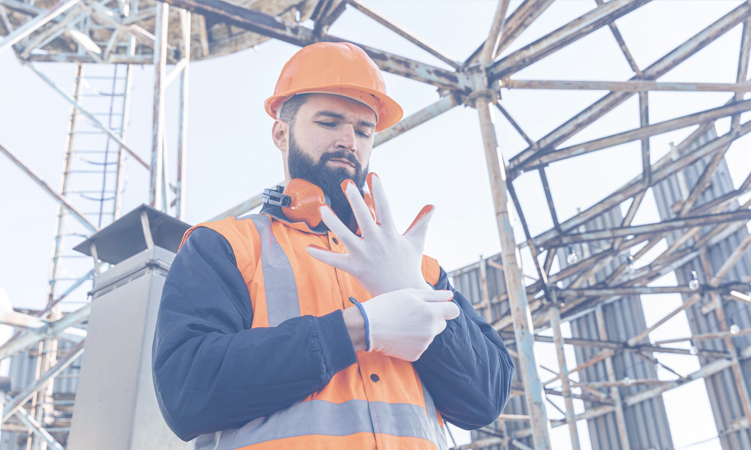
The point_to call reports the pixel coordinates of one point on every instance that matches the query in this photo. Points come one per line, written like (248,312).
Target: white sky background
(231,156)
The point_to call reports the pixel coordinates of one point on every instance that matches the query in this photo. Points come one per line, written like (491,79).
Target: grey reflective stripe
(439,432)
(319,417)
(278,277)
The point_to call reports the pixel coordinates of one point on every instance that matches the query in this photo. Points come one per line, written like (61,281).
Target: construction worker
(315,324)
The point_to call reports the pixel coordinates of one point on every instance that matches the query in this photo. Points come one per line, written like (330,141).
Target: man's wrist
(355,323)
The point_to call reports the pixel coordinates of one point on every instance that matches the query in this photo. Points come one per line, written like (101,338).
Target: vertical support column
(523,328)
(182,134)
(49,359)
(484,289)
(620,417)
(722,320)
(61,211)
(160,74)
(643,122)
(51,344)
(35,399)
(555,324)
(124,126)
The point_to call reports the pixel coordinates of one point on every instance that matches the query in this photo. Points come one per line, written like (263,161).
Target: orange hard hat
(338,68)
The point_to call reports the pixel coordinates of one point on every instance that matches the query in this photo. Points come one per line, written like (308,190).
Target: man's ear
(280,135)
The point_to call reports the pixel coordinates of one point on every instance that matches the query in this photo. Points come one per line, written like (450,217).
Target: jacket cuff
(336,345)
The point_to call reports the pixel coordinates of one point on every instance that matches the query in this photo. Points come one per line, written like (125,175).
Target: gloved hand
(382,260)
(403,323)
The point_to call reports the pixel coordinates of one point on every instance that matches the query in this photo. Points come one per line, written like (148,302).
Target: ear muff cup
(301,201)
(306,200)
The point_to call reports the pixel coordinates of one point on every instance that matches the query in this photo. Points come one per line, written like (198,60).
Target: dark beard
(329,180)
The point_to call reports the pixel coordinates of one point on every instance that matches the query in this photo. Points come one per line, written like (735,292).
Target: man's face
(331,141)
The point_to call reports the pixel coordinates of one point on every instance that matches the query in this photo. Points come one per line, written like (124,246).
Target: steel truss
(584,291)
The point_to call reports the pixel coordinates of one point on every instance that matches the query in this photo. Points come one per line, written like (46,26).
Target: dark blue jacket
(213,372)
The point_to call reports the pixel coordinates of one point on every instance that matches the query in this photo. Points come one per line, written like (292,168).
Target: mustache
(341,154)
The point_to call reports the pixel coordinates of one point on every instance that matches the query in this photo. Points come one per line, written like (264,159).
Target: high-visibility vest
(377,403)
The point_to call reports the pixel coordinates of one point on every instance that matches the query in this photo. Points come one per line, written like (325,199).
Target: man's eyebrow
(365,123)
(330,114)
(334,115)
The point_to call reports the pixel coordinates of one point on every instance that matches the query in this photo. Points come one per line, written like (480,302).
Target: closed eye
(327,124)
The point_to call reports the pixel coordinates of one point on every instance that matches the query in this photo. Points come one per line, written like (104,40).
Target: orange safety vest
(377,403)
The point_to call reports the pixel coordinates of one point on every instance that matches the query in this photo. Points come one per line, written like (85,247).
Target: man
(326,331)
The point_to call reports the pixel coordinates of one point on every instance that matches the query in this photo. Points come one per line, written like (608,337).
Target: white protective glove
(403,323)
(382,260)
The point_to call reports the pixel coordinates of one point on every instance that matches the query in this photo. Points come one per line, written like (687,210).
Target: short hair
(291,107)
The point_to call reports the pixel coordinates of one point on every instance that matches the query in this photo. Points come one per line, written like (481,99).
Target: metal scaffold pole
(160,73)
(523,328)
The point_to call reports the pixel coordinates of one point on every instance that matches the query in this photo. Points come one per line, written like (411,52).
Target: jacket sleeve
(467,368)
(211,370)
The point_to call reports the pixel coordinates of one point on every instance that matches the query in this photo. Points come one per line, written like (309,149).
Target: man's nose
(346,139)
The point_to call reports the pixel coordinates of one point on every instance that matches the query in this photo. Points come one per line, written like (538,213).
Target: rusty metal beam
(706,337)
(715,281)
(514,124)
(401,31)
(625,86)
(523,329)
(490,46)
(650,290)
(621,43)
(273,27)
(18,401)
(555,324)
(94,121)
(35,427)
(666,225)
(567,34)
(635,186)
(35,24)
(54,194)
(73,16)
(113,58)
(642,132)
(521,18)
(656,70)
(420,117)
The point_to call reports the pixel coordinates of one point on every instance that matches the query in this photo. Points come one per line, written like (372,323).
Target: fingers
(383,210)
(419,228)
(433,296)
(348,238)
(439,301)
(337,260)
(449,310)
(359,208)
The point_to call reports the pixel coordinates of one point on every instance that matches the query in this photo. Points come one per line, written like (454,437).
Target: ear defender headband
(301,201)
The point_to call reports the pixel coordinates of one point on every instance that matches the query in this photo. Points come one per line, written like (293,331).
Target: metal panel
(646,423)
(721,387)
(467,280)
(116,407)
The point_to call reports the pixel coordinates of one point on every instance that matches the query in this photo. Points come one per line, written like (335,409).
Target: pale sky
(231,156)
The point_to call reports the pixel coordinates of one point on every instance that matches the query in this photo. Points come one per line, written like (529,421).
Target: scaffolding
(597,285)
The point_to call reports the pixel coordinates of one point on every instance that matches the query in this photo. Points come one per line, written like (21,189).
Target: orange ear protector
(301,200)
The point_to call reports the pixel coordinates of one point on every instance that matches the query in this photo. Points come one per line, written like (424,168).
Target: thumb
(449,310)
(419,228)
(337,260)
(434,296)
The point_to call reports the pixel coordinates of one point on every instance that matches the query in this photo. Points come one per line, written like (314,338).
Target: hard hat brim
(390,112)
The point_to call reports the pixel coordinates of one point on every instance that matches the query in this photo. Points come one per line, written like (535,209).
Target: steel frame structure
(602,275)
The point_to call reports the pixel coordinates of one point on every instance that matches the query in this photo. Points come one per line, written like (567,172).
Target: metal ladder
(93,181)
